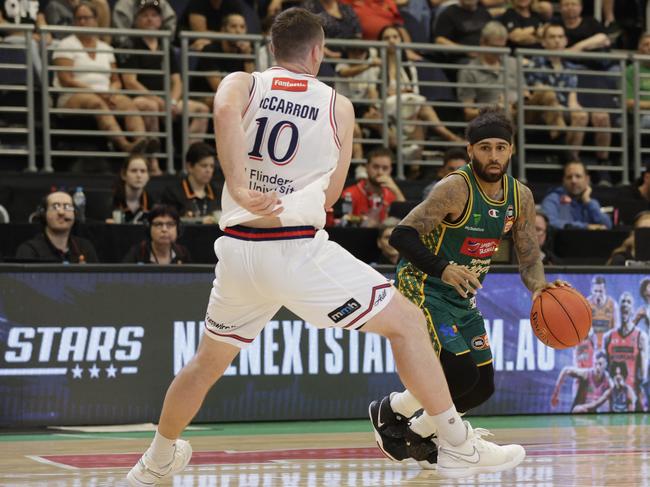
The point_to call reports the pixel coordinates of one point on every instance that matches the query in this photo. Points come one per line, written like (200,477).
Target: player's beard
(480,171)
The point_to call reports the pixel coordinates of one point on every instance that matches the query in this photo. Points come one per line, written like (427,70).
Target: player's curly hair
(490,116)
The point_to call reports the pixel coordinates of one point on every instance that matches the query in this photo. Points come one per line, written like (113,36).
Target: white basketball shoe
(146,473)
(476,455)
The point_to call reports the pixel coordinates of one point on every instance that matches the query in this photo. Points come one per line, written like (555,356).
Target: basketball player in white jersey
(284,140)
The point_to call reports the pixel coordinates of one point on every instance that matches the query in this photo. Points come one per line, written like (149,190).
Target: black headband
(489,131)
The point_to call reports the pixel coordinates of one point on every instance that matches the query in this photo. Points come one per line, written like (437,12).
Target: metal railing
(17,64)
(617,90)
(429,83)
(641,116)
(47,89)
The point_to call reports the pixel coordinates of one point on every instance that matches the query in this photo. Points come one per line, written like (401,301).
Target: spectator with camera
(159,245)
(55,243)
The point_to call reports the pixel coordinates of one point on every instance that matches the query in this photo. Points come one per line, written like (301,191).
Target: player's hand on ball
(462,279)
(258,203)
(549,285)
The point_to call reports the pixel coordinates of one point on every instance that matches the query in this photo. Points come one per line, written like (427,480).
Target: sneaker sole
(378,439)
(455,473)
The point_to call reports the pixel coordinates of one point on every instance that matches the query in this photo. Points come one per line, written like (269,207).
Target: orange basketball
(561,317)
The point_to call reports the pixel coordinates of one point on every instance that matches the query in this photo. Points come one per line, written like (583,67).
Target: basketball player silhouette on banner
(446,244)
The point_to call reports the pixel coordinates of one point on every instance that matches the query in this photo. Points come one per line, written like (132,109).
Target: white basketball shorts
(260,270)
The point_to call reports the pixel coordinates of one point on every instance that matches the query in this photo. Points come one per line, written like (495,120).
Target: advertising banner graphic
(101,347)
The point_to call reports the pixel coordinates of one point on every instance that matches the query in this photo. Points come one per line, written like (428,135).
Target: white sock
(161,450)
(447,425)
(450,427)
(404,403)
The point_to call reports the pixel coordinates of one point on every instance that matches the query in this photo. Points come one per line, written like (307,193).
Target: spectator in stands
(196,197)
(60,13)
(339,22)
(639,191)
(219,67)
(389,254)
(26,12)
(361,82)
(55,242)
(413,104)
(484,83)
(125,11)
(131,202)
(372,197)
(644,82)
(461,24)
(586,34)
(71,53)
(523,25)
(453,159)
(542,230)
(625,251)
(543,83)
(375,16)
(149,17)
(208,16)
(571,205)
(159,245)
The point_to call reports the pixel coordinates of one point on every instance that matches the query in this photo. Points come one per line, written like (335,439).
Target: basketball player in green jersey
(446,244)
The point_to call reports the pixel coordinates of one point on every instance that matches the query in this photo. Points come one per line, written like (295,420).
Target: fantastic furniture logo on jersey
(288,84)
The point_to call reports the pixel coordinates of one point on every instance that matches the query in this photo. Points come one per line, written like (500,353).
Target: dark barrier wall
(99,345)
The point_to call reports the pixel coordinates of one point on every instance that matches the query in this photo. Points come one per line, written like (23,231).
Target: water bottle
(79,200)
(346,209)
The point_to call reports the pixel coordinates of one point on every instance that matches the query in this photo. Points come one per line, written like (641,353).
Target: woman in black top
(131,201)
(159,245)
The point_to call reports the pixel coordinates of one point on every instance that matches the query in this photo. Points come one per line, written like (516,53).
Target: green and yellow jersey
(470,241)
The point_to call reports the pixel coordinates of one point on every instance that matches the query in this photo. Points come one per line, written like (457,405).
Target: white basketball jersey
(292,145)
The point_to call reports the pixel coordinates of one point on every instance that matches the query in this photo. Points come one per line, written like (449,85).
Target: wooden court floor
(588,450)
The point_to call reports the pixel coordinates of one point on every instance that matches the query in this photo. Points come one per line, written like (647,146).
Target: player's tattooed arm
(448,198)
(526,246)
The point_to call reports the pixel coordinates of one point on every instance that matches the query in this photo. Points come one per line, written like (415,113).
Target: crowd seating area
(54,133)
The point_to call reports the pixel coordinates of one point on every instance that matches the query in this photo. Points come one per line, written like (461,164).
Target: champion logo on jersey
(493,213)
(289,84)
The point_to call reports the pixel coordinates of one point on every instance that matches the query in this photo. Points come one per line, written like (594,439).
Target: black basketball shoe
(389,428)
(423,450)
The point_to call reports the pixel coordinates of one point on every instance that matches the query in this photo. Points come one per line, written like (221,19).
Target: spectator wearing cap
(196,196)
(125,11)
(159,245)
(571,205)
(55,243)
(149,17)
